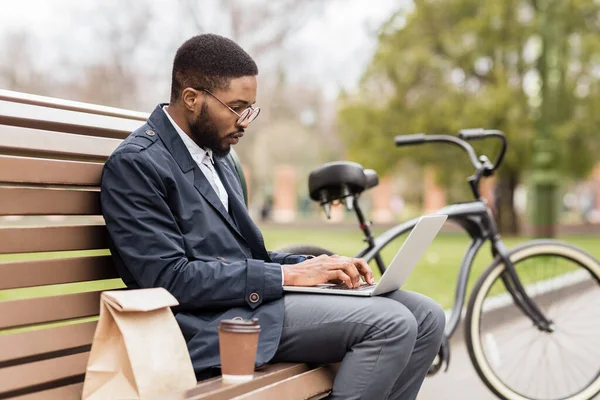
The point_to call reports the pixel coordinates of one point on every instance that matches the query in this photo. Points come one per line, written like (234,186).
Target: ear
(191,99)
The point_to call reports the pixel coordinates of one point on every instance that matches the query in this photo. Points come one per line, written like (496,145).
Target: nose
(243,124)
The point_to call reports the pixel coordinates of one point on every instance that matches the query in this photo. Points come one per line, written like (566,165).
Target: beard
(205,134)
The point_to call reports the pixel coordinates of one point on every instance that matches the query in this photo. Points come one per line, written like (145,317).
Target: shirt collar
(195,150)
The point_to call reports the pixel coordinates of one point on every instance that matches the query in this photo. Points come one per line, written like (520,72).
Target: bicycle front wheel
(514,358)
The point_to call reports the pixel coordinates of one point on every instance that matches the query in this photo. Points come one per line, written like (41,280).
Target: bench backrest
(54,261)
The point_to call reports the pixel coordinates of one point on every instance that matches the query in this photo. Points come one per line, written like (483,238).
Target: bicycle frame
(473,217)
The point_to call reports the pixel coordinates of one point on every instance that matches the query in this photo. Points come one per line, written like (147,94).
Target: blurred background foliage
(444,65)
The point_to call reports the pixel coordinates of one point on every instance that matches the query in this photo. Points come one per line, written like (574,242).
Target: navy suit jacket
(168,228)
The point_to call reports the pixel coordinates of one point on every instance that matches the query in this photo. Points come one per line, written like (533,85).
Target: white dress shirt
(204,159)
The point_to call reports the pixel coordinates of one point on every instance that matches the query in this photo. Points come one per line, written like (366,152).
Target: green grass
(436,273)
(434,276)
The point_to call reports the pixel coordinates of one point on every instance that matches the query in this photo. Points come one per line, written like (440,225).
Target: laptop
(399,269)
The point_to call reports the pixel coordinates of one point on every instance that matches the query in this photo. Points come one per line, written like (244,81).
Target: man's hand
(324,269)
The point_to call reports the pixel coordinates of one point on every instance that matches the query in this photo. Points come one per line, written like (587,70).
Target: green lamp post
(545,176)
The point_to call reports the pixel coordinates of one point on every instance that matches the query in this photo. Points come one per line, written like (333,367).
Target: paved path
(461,382)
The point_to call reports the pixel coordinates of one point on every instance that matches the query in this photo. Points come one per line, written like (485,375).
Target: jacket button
(150,132)
(254,297)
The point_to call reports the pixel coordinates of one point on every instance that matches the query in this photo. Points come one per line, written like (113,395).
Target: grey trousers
(385,343)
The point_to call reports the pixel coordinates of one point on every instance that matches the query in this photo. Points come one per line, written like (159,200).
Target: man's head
(213,84)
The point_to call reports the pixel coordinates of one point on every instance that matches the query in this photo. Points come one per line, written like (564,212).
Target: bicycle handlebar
(477,133)
(480,133)
(416,138)
(461,141)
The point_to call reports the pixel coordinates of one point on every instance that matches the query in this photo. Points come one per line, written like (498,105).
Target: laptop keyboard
(343,286)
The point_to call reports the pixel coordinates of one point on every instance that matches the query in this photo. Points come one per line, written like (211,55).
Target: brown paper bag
(138,350)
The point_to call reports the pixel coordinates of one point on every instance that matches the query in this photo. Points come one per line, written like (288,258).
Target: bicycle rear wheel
(514,358)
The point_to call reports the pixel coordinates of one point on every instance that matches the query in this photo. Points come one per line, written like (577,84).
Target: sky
(332,48)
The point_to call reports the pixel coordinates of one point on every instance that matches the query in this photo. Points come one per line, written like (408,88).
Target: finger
(347,266)
(355,275)
(365,270)
(340,275)
(351,270)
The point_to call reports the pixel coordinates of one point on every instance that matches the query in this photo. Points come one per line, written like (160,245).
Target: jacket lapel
(207,191)
(169,136)
(239,211)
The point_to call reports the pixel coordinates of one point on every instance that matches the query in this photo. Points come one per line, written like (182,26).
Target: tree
(115,76)
(451,64)
(18,71)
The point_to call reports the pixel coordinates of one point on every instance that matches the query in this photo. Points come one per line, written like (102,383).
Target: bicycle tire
(476,304)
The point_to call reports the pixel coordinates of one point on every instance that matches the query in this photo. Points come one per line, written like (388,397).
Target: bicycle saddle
(338,179)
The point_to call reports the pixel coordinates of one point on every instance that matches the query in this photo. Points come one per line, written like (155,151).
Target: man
(174,210)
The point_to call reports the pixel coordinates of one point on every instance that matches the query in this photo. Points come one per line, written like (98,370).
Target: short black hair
(209,62)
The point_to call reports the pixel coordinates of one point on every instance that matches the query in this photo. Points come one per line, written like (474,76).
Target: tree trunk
(506,215)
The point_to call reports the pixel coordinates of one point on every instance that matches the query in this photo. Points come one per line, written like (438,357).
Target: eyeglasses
(249,113)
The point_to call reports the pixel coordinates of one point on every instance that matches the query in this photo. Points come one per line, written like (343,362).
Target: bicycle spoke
(580,326)
(512,334)
(518,361)
(531,380)
(567,361)
(521,376)
(554,379)
(577,317)
(577,368)
(563,362)
(585,355)
(586,346)
(577,306)
(575,361)
(583,339)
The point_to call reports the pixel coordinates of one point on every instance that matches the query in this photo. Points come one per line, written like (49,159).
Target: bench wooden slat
(40,372)
(33,142)
(216,389)
(33,201)
(52,102)
(66,121)
(53,238)
(16,313)
(304,386)
(21,274)
(70,392)
(30,344)
(15,169)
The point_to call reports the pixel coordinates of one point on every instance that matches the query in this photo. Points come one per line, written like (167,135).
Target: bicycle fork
(516,289)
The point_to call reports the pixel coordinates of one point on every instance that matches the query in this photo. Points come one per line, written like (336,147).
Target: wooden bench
(54,261)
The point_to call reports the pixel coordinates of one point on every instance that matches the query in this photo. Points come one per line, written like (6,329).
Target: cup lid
(239,325)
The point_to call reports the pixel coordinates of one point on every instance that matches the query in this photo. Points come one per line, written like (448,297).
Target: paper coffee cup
(238,342)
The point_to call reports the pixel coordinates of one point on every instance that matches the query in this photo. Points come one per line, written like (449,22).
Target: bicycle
(508,298)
